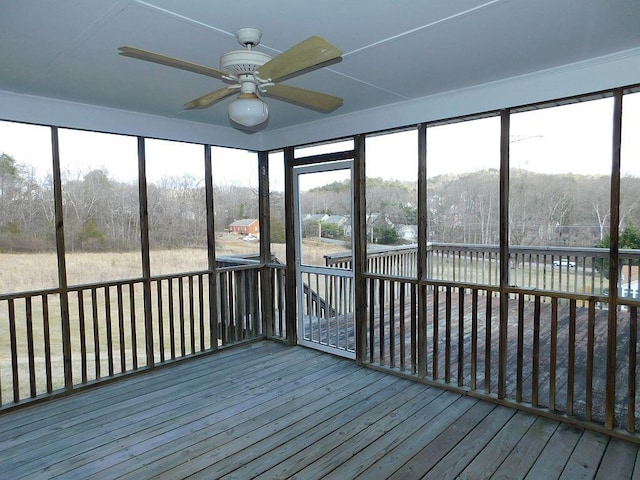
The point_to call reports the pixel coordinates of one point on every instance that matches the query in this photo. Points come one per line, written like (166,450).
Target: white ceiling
(395,52)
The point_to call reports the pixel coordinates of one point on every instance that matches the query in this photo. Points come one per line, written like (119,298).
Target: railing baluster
(631,389)
(403,341)
(47,344)
(392,321)
(461,336)
(222,308)
(327,313)
(571,365)
(172,326)
(107,306)
(474,338)
(536,352)
(234,320)
(96,332)
(346,300)
(372,315)
(447,335)
(520,359)
(436,339)
(192,315)
(255,278)
(160,321)
(83,340)
(241,304)
(553,353)
(487,344)
(381,322)
(14,350)
(414,327)
(132,318)
(591,324)
(30,350)
(181,319)
(201,311)
(123,358)
(252,279)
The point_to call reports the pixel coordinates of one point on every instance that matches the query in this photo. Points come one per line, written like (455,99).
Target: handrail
(470,247)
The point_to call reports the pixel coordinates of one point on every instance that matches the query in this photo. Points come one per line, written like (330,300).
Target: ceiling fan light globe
(248,111)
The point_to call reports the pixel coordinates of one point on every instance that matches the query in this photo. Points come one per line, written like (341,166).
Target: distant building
(246,226)
(338,220)
(316,217)
(407,232)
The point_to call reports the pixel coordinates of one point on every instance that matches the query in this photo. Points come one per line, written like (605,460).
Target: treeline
(103,214)
(544,209)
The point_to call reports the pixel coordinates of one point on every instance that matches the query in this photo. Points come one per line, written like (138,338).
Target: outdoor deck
(271,411)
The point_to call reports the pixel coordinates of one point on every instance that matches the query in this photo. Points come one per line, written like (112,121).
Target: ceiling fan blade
(210,98)
(308,53)
(148,56)
(305,98)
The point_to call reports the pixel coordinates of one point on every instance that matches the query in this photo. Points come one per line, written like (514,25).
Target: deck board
(266,410)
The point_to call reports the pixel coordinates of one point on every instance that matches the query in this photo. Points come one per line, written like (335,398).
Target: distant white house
(339,220)
(315,217)
(407,232)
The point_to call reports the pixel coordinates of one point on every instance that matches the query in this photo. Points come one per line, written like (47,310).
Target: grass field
(30,272)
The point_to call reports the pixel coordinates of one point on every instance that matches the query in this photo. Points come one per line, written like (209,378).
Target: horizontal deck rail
(558,269)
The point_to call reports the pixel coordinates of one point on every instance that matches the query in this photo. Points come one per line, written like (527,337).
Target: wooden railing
(110,333)
(559,351)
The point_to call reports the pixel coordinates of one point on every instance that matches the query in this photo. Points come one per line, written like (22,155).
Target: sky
(574,138)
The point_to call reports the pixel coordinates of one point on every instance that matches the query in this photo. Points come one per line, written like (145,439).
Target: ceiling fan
(252,74)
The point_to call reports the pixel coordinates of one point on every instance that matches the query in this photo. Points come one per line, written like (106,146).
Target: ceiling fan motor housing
(242,62)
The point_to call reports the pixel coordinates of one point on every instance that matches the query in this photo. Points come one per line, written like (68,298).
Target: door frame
(346,275)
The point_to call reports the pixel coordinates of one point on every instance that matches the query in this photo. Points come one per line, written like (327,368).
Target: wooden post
(290,273)
(360,247)
(264,213)
(144,247)
(62,266)
(613,261)
(211,249)
(422,269)
(504,251)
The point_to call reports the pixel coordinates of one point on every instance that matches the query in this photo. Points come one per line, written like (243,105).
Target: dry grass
(29,272)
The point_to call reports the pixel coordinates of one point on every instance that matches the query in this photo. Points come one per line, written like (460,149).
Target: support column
(422,251)
(144,246)
(290,275)
(360,247)
(267,274)
(614,267)
(211,248)
(505,116)
(62,266)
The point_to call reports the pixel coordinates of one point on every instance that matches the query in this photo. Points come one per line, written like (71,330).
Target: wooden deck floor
(270,411)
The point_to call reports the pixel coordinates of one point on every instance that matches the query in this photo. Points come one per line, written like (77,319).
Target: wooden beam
(264,214)
(290,273)
(144,247)
(211,248)
(360,247)
(422,267)
(62,266)
(614,235)
(504,251)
